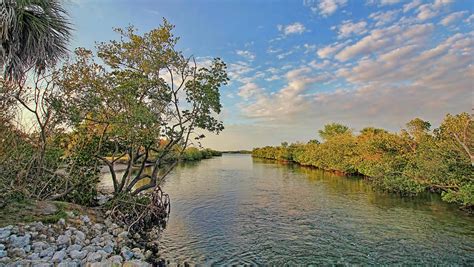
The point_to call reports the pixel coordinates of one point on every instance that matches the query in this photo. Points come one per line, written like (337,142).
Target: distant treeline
(193,154)
(237,152)
(407,163)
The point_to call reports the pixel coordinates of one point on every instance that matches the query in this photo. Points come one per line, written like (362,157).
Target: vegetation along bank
(409,162)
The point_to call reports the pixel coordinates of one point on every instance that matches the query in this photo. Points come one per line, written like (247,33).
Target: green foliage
(333,129)
(407,163)
(194,154)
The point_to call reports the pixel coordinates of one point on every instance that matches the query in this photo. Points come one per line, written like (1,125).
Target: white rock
(77,255)
(59,256)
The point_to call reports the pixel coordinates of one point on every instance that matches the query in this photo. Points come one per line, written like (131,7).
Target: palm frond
(33,34)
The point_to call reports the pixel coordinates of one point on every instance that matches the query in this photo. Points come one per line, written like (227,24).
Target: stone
(48,252)
(63,240)
(34,256)
(108,249)
(70,214)
(148,254)
(48,208)
(77,255)
(62,221)
(95,240)
(79,237)
(74,247)
(38,246)
(93,257)
(59,256)
(123,235)
(126,253)
(17,252)
(27,248)
(2,247)
(115,259)
(5,233)
(90,248)
(3,253)
(85,219)
(98,227)
(20,241)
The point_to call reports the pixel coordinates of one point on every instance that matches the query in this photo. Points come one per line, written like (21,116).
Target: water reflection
(235,210)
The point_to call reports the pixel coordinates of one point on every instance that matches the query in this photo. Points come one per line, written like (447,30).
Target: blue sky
(296,65)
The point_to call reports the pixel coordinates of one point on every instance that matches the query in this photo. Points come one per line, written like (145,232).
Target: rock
(73,247)
(148,254)
(43,237)
(77,255)
(62,221)
(34,256)
(85,219)
(17,252)
(126,253)
(63,240)
(103,254)
(2,247)
(79,237)
(95,240)
(48,208)
(27,248)
(93,257)
(20,241)
(5,233)
(3,253)
(108,249)
(70,214)
(98,227)
(90,248)
(136,263)
(102,199)
(115,259)
(67,263)
(123,235)
(48,252)
(59,256)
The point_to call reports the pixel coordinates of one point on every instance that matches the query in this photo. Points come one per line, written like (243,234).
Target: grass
(26,211)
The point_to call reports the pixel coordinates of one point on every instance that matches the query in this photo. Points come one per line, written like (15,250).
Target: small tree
(145,102)
(333,129)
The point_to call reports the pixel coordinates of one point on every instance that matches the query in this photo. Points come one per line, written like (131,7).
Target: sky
(297,65)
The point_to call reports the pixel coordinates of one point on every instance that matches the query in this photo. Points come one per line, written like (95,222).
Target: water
(236,210)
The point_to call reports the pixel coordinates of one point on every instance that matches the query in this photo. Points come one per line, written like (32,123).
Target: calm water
(236,210)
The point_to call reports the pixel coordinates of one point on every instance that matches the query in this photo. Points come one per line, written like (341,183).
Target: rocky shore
(77,241)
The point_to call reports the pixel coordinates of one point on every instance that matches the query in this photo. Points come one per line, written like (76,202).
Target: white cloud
(294,28)
(440,3)
(325,7)
(380,40)
(426,11)
(348,28)
(413,4)
(248,90)
(330,50)
(383,18)
(382,2)
(453,17)
(246,54)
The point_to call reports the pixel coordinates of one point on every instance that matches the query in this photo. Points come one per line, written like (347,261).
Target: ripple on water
(235,211)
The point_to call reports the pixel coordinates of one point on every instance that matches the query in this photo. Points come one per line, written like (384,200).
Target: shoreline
(77,240)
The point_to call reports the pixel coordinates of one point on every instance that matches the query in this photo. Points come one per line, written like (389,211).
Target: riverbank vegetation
(414,160)
(137,101)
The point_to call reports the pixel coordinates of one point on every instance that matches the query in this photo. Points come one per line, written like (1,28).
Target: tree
(459,130)
(333,129)
(33,34)
(145,103)
(417,128)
